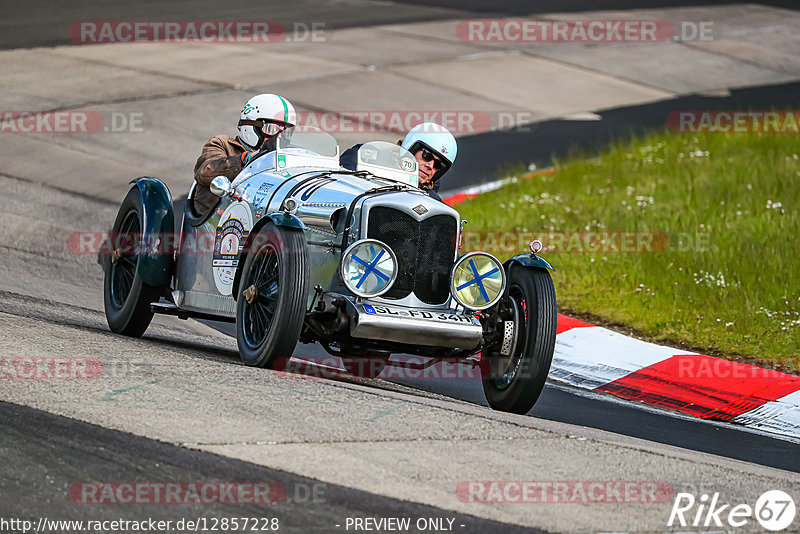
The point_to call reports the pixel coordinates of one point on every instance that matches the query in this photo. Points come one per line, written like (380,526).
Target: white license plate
(419,314)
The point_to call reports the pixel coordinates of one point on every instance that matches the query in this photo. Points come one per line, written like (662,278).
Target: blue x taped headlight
(369,268)
(478,280)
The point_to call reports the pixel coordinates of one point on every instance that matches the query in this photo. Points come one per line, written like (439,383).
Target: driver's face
(426,168)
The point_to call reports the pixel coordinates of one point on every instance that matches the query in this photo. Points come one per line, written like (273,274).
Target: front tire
(126,298)
(271,304)
(514,382)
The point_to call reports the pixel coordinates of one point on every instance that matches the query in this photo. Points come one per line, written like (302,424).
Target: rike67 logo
(774,510)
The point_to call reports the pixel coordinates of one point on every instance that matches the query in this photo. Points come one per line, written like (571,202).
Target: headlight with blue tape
(477,281)
(369,268)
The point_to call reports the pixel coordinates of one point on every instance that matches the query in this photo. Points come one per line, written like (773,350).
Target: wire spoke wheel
(260,312)
(508,366)
(123,266)
(515,381)
(126,298)
(271,299)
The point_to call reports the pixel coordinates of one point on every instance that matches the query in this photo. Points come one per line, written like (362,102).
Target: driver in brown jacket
(263,118)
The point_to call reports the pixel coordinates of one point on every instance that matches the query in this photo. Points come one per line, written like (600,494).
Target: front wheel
(517,372)
(271,304)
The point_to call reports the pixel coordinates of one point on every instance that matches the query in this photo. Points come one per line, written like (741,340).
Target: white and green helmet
(262,117)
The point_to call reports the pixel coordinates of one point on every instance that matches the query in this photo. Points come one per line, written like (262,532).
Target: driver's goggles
(272,128)
(427,155)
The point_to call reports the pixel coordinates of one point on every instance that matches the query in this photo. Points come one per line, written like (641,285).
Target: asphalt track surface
(568,405)
(31,438)
(41,22)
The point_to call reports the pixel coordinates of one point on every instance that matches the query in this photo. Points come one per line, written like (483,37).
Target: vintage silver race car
(362,262)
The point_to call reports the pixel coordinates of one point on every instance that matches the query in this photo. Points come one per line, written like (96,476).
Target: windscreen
(388,160)
(309,138)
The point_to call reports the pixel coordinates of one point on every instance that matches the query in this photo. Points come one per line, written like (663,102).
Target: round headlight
(369,268)
(478,280)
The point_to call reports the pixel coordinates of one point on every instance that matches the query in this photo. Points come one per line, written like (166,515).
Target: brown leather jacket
(221,156)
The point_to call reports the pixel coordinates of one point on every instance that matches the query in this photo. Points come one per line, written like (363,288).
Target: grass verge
(690,239)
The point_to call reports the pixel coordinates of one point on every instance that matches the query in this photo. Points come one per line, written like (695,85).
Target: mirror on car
(221,186)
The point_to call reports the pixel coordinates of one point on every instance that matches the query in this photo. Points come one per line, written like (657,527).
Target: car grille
(425,251)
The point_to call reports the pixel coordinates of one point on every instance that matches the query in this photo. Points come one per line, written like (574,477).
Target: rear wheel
(126,298)
(271,304)
(516,376)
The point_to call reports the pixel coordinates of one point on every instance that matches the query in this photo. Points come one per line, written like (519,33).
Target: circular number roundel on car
(232,230)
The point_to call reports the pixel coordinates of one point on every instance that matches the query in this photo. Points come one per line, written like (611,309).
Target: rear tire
(271,304)
(514,382)
(126,298)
